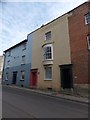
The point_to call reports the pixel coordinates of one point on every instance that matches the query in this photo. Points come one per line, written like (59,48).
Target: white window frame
(48,37)
(45,72)
(45,57)
(22,73)
(87,16)
(88,40)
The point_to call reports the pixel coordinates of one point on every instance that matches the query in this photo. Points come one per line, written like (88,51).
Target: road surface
(21,103)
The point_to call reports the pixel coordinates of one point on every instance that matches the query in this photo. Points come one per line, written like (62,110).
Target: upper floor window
(8,63)
(48,52)
(88,39)
(48,35)
(24,46)
(9,53)
(87,18)
(23,59)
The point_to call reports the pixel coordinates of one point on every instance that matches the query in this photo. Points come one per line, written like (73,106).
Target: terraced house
(55,56)
(1,66)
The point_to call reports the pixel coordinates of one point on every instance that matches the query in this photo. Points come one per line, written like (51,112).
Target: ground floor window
(48,73)
(22,75)
(7,76)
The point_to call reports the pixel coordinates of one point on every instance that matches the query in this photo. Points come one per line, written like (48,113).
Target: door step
(67,91)
(33,87)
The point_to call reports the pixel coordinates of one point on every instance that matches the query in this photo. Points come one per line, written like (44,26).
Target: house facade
(51,48)
(1,66)
(56,55)
(79,33)
(17,64)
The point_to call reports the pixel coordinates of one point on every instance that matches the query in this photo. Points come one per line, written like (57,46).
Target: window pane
(8,63)
(48,35)
(48,73)
(87,18)
(24,46)
(88,38)
(9,53)
(23,59)
(22,75)
(7,76)
(47,53)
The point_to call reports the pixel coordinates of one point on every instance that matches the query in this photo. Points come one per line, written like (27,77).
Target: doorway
(33,77)
(14,77)
(66,76)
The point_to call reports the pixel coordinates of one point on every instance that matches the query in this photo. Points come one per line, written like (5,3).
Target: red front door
(33,77)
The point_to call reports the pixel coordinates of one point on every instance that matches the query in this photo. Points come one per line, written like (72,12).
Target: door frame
(14,81)
(33,71)
(64,67)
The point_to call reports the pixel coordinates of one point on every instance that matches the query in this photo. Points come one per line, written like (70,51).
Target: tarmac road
(20,103)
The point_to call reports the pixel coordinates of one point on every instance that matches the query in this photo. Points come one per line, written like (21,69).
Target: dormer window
(48,35)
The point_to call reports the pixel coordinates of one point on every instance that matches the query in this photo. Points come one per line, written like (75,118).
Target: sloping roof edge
(16,45)
(59,17)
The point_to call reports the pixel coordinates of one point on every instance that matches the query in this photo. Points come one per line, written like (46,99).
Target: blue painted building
(17,63)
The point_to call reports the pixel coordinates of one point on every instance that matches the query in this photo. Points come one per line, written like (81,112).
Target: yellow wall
(61,51)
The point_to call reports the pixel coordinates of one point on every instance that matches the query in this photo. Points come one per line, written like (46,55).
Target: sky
(20,17)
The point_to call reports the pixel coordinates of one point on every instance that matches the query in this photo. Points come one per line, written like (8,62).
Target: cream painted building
(51,55)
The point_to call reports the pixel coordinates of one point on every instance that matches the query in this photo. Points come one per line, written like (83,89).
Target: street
(21,103)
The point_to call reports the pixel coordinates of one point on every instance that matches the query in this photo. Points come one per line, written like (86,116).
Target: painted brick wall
(78,32)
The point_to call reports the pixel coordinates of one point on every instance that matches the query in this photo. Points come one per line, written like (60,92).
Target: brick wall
(78,32)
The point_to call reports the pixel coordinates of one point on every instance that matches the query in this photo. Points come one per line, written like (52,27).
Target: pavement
(56,94)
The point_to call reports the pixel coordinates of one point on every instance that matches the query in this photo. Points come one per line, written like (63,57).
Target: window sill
(47,62)
(47,79)
(22,63)
(9,55)
(21,80)
(47,42)
(23,49)
(6,80)
(8,67)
